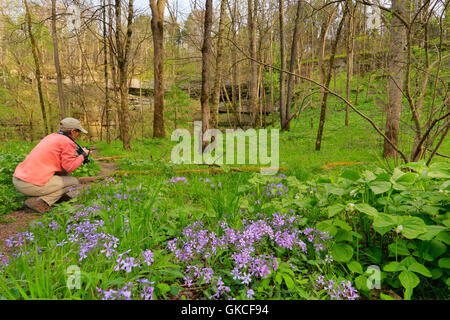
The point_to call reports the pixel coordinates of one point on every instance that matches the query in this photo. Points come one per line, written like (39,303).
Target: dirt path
(17,221)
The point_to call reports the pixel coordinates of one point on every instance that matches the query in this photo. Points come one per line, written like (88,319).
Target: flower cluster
(245,248)
(272,190)
(126,292)
(336,290)
(174,180)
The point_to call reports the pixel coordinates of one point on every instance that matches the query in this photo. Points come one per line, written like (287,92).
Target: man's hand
(86,150)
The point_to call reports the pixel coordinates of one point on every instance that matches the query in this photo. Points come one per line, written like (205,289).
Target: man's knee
(71,182)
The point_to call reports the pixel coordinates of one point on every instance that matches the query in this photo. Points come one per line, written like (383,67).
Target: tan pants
(54,189)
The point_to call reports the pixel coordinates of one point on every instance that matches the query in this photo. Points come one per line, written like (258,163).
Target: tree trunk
(123,52)
(323,107)
(290,85)
(396,68)
(105,61)
(252,7)
(37,66)
(157,24)
(349,48)
(218,74)
(283,66)
(206,52)
(62,106)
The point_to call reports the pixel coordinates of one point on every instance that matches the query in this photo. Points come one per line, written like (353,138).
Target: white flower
(399,228)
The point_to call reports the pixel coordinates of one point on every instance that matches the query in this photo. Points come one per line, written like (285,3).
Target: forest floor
(17,221)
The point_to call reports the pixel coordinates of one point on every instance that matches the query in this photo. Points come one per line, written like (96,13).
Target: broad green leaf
(437,248)
(444,237)
(431,232)
(436,273)
(355,266)
(419,268)
(343,235)
(341,224)
(385,296)
(367,209)
(408,261)
(408,279)
(289,282)
(361,283)
(383,220)
(350,175)
(335,209)
(163,287)
(444,263)
(399,248)
(327,226)
(394,266)
(342,252)
(439,170)
(412,227)
(380,186)
(407,178)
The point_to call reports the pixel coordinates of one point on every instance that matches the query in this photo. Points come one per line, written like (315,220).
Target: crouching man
(44,175)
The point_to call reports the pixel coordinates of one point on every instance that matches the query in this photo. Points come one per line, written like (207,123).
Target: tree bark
(62,106)
(291,78)
(123,53)
(218,74)
(206,52)
(396,68)
(283,65)
(157,24)
(37,66)
(252,7)
(323,107)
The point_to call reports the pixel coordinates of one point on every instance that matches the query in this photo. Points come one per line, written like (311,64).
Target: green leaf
(335,209)
(385,221)
(164,287)
(380,186)
(385,296)
(394,266)
(444,237)
(289,282)
(343,235)
(399,248)
(437,248)
(367,209)
(412,227)
(431,232)
(419,268)
(408,279)
(444,263)
(355,267)
(439,170)
(341,224)
(361,283)
(342,252)
(436,273)
(350,175)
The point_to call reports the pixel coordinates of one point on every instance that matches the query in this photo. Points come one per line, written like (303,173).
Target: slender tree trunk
(62,106)
(252,7)
(157,24)
(283,65)
(349,48)
(290,85)
(105,62)
(218,74)
(36,59)
(323,107)
(123,52)
(396,68)
(206,52)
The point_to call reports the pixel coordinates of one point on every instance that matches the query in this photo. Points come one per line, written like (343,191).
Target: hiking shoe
(37,205)
(65,197)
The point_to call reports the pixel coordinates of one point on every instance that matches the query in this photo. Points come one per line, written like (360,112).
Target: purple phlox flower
(53,225)
(148,257)
(250,294)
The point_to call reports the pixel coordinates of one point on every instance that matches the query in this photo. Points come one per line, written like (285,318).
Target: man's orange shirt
(54,153)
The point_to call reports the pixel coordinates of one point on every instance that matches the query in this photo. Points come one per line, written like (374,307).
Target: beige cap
(71,123)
